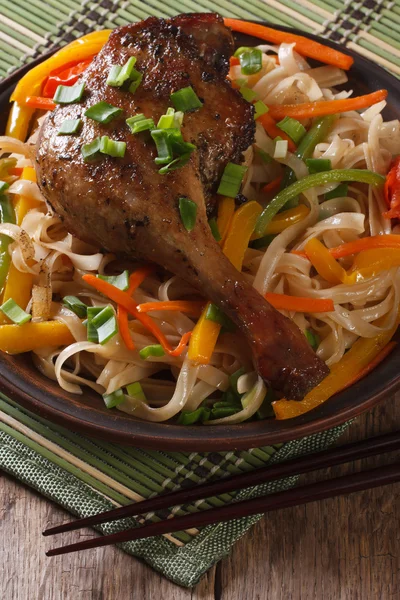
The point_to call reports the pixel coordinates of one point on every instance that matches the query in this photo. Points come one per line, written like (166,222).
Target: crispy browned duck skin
(127,207)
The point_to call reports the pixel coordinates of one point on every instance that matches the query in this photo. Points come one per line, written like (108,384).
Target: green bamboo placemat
(87,476)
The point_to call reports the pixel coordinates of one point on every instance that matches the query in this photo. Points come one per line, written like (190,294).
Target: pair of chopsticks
(299,495)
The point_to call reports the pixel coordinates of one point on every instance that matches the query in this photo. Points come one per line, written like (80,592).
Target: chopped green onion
(102,112)
(112,400)
(177,163)
(336,175)
(111,147)
(265,157)
(178,144)
(251,61)
(91,150)
(188,211)
(120,281)
(241,50)
(318,165)
(313,338)
(152,350)
(231,180)
(281,148)
(119,74)
(338,192)
(69,127)
(4,186)
(105,323)
(214,313)
(247,93)
(186,99)
(260,109)
(91,312)
(135,390)
(214,229)
(220,413)
(136,80)
(14,312)
(189,417)
(69,94)
(163,145)
(139,123)
(76,305)
(293,128)
(266,409)
(233,379)
(171,120)
(262,242)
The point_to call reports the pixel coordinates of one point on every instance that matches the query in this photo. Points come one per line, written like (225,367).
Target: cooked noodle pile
(42,247)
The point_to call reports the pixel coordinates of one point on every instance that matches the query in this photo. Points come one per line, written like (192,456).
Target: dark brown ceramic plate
(88,415)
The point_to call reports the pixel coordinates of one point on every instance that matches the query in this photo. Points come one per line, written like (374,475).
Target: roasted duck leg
(127,207)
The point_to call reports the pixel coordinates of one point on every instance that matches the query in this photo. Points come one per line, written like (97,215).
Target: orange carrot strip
(300,304)
(234,61)
(186,306)
(273,185)
(386,350)
(273,131)
(304,46)
(138,276)
(323,108)
(123,326)
(40,103)
(16,171)
(181,346)
(124,300)
(390,240)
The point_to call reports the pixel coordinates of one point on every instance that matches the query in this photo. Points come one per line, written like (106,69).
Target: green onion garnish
(135,390)
(139,123)
(91,150)
(189,417)
(231,180)
(247,93)
(120,281)
(102,112)
(171,119)
(265,157)
(250,61)
(214,229)
(69,127)
(338,192)
(119,74)
(336,175)
(112,400)
(214,313)
(14,312)
(317,165)
(313,338)
(105,324)
(4,186)
(152,350)
(188,211)
(260,109)
(91,312)
(293,128)
(69,94)
(136,80)
(220,413)
(177,163)
(186,99)
(234,378)
(111,147)
(242,49)
(76,305)
(266,409)
(163,145)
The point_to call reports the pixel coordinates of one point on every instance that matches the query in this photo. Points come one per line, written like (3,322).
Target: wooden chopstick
(327,458)
(301,495)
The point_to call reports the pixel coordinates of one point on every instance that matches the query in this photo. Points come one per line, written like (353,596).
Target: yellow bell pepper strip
(18,121)
(15,339)
(283,220)
(19,284)
(205,333)
(86,47)
(362,353)
(322,260)
(372,262)
(226,208)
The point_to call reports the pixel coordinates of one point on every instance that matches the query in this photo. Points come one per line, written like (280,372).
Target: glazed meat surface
(127,207)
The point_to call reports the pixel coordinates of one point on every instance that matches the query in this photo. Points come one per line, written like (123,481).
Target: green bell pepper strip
(316,134)
(7,215)
(317,179)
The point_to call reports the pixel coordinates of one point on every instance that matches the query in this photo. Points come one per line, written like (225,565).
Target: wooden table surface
(340,549)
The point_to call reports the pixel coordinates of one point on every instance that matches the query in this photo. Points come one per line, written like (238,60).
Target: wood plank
(345,548)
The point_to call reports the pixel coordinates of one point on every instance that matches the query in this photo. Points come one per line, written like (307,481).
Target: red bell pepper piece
(66,75)
(392,191)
